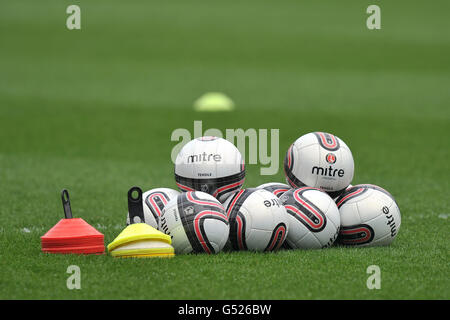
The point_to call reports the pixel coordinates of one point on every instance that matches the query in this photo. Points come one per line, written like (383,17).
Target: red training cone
(72,235)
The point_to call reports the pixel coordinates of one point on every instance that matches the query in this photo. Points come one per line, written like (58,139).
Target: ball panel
(217,233)
(198,221)
(352,195)
(373,204)
(306,140)
(258,221)
(320,199)
(314,218)
(395,211)
(257,240)
(329,234)
(348,165)
(369,216)
(303,169)
(379,226)
(333,215)
(238,216)
(349,215)
(261,216)
(309,241)
(297,232)
(180,242)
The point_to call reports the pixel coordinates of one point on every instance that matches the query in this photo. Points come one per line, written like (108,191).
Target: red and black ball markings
(356,235)
(216,187)
(327,141)
(237,219)
(349,194)
(193,213)
(156,202)
(277,239)
(358,190)
(304,210)
(276,189)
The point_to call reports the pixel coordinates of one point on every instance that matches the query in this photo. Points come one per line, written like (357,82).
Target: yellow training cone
(140,239)
(213,102)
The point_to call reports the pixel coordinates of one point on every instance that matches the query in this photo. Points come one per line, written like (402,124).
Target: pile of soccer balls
(317,207)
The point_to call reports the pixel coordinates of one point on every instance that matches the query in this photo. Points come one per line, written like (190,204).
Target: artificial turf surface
(92,110)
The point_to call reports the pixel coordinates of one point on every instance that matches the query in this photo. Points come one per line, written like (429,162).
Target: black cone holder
(135,208)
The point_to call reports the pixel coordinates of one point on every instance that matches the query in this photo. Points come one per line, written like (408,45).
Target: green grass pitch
(92,110)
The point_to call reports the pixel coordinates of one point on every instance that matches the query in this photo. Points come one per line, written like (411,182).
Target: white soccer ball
(197,223)
(153,202)
(212,165)
(319,160)
(275,187)
(258,220)
(314,218)
(370,216)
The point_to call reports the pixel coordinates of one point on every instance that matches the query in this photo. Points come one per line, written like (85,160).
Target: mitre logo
(204,157)
(329,172)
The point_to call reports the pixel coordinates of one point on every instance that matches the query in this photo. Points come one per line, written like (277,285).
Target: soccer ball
(314,218)
(212,165)
(197,223)
(370,216)
(153,202)
(258,220)
(276,188)
(319,160)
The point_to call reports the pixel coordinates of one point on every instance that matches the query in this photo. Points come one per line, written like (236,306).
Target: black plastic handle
(66,204)
(135,207)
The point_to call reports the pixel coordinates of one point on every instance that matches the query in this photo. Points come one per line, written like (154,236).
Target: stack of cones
(139,240)
(72,235)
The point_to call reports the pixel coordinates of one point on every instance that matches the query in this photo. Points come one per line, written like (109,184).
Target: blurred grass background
(92,110)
